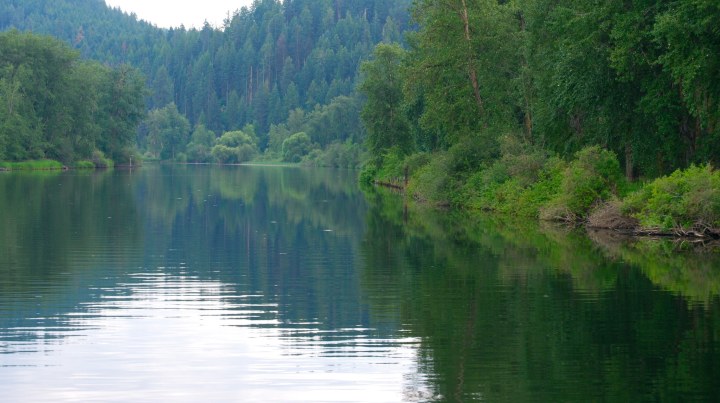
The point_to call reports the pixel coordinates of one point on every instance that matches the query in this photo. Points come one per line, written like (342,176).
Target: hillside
(268,60)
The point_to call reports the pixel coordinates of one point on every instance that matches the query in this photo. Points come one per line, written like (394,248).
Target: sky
(173,13)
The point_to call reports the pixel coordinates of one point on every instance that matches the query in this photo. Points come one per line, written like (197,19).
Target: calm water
(285,284)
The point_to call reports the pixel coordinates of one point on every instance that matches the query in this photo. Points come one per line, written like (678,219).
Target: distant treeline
(283,67)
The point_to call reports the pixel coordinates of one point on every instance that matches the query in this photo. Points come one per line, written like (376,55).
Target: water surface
(174,283)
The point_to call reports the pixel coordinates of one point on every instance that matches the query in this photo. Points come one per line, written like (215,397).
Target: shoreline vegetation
(590,191)
(97,162)
(600,115)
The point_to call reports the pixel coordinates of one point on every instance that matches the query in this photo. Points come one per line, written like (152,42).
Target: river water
(188,283)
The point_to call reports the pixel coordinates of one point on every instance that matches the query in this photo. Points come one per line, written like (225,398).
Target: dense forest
(271,71)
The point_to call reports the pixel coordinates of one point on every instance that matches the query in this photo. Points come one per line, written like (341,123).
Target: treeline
(283,67)
(488,94)
(55,106)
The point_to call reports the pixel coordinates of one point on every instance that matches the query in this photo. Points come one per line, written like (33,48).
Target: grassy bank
(521,180)
(33,165)
(98,161)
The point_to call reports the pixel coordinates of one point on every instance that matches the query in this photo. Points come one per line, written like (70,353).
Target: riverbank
(589,190)
(34,165)
(52,165)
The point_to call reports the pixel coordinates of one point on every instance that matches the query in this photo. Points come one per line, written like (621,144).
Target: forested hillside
(269,60)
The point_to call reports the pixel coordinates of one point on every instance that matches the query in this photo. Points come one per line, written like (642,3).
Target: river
(248,283)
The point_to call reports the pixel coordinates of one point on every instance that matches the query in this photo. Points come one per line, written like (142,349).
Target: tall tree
(382,85)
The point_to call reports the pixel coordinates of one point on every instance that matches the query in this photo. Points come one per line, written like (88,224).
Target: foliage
(234,147)
(433,181)
(54,105)
(586,80)
(84,164)
(685,199)
(295,147)
(336,155)
(264,62)
(591,178)
(100,161)
(462,58)
(200,147)
(519,183)
(167,132)
(382,114)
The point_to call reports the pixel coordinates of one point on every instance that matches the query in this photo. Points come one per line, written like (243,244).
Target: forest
(272,71)
(600,111)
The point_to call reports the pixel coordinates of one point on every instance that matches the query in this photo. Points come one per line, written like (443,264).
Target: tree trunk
(526,86)
(629,164)
(471,66)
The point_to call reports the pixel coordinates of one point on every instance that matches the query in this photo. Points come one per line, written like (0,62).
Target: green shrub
(199,153)
(337,155)
(368,173)
(392,167)
(224,154)
(433,182)
(295,147)
(518,183)
(547,187)
(416,161)
(127,156)
(473,153)
(99,160)
(84,164)
(591,178)
(686,198)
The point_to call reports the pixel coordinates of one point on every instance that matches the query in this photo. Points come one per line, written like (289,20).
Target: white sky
(172,13)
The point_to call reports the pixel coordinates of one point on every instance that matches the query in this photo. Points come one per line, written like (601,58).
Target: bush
(392,168)
(433,182)
(518,183)
(416,161)
(473,153)
(336,155)
(224,154)
(295,147)
(687,198)
(84,164)
(198,153)
(99,160)
(368,172)
(590,179)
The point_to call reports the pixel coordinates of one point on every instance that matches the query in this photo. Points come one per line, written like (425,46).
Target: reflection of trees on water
(514,312)
(60,232)
(288,234)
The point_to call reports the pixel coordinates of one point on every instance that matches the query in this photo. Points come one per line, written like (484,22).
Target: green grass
(33,165)
(84,164)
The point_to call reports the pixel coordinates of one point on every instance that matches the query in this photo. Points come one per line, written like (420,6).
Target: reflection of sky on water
(181,338)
